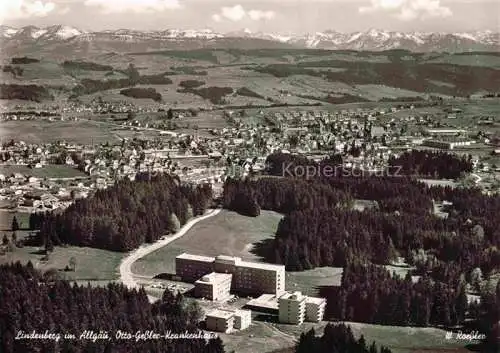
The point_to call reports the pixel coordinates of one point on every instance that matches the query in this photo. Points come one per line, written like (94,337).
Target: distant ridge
(371,40)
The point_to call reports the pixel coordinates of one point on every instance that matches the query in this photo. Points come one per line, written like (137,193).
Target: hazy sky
(283,16)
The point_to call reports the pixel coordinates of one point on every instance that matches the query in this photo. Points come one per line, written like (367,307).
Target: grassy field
(278,337)
(95,265)
(84,132)
(6,220)
(398,339)
(227,233)
(232,234)
(50,171)
(308,281)
(91,264)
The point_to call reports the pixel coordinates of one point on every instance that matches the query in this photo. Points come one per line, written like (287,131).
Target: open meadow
(281,338)
(92,265)
(48,171)
(41,131)
(232,234)
(227,233)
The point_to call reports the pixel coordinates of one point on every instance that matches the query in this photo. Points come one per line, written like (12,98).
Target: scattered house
(226,321)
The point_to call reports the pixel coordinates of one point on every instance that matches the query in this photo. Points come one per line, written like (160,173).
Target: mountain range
(371,40)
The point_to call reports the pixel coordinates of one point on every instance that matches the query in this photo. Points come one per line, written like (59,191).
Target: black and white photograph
(249,176)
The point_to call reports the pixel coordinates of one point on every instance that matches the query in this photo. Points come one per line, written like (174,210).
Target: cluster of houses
(366,139)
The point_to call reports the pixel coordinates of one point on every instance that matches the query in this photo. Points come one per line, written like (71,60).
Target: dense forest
(32,301)
(213,94)
(86,66)
(369,293)
(16,71)
(432,164)
(280,195)
(24,92)
(88,86)
(395,73)
(322,226)
(246,92)
(189,84)
(336,339)
(439,165)
(142,93)
(126,215)
(23,60)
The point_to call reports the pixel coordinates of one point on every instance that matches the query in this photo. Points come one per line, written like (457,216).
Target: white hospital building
(226,321)
(249,278)
(214,286)
(295,308)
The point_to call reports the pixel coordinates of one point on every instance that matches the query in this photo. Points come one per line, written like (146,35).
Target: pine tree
(175,225)
(72,264)
(15,224)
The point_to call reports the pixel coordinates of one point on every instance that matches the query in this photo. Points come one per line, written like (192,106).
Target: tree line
(85,66)
(369,293)
(137,92)
(24,92)
(34,301)
(89,86)
(321,228)
(125,215)
(336,338)
(440,165)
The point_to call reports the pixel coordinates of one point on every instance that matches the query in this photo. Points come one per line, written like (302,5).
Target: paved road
(478,178)
(126,275)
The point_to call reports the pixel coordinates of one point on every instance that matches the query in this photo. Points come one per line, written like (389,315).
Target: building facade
(214,286)
(242,319)
(315,309)
(447,145)
(249,278)
(295,308)
(190,268)
(292,308)
(220,321)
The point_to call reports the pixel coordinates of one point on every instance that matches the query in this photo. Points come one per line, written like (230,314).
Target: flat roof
(267,301)
(261,266)
(242,312)
(186,256)
(220,314)
(293,296)
(315,300)
(227,258)
(214,277)
(238,262)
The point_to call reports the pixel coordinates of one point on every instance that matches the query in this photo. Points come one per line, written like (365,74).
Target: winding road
(126,275)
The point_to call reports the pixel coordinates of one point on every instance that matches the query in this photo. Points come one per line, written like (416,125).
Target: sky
(277,16)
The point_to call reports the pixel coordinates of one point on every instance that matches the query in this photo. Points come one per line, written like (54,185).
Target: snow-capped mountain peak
(372,39)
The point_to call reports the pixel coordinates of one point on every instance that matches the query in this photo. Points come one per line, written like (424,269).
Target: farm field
(49,171)
(279,76)
(40,131)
